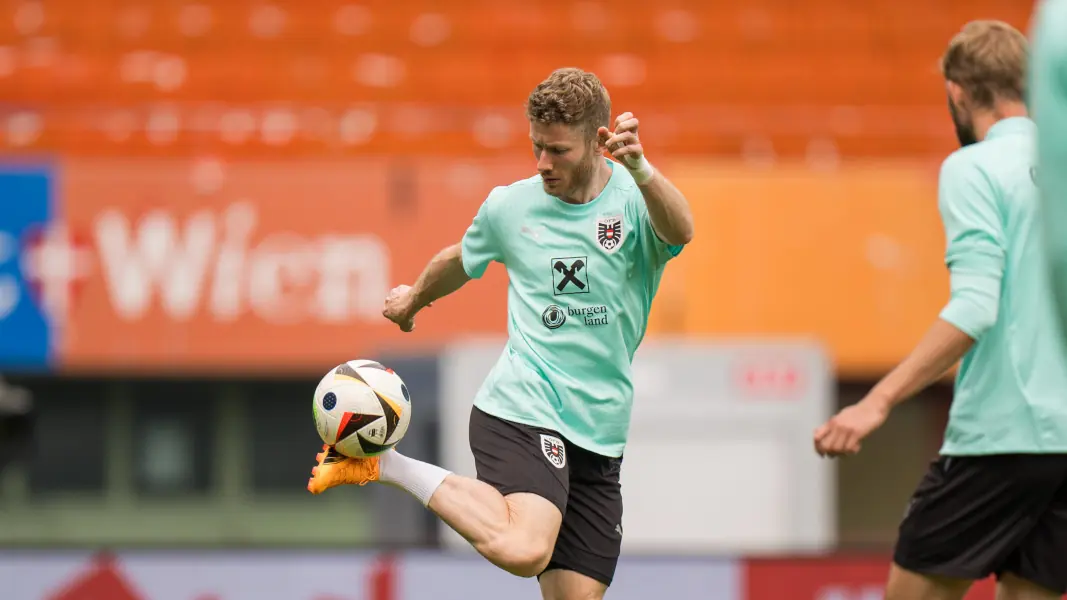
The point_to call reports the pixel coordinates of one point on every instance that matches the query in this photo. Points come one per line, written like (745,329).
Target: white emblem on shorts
(552,448)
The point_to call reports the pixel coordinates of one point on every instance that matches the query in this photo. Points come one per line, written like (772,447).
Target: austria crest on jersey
(609,232)
(552,448)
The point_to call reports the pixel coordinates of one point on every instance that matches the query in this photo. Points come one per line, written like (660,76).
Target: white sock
(418,478)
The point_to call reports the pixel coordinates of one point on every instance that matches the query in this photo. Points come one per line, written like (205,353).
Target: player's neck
(596,184)
(985,120)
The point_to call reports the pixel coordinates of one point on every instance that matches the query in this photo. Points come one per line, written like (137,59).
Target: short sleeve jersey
(582,278)
(1011,387)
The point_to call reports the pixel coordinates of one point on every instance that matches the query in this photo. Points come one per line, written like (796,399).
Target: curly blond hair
(571,97)
(988,60)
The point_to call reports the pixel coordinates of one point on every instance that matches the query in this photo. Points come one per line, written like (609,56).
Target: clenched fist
(623,143)
(400,307)
(845,432)
(625,146)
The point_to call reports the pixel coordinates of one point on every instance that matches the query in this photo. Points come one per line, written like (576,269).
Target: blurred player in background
(995,502)
(585,242)
(1048,99)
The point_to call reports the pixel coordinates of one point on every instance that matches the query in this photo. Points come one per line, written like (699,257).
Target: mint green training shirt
(1048,103)
(581,282)
(1011,388)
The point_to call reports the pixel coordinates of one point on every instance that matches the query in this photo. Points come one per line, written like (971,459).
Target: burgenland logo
(554,316)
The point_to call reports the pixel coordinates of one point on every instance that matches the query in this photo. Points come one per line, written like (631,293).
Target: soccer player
(585,242)
(995,501)
(1048,99)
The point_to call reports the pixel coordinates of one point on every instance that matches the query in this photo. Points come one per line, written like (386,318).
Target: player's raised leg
(516,532)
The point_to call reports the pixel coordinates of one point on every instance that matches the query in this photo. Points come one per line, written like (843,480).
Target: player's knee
(521,557)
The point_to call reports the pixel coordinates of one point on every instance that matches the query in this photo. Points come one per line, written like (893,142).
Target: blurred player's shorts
(16,423)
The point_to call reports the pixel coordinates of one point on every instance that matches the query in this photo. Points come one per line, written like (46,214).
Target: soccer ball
(362,408)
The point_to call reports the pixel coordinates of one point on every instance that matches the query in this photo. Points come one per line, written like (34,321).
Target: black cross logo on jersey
(570,275)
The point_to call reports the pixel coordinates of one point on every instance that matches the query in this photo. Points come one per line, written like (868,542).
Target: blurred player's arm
(975,257)
(943,346)
(669,211)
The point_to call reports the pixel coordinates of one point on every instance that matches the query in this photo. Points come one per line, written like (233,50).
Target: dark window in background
(281,433)
(173,436)
(68,450)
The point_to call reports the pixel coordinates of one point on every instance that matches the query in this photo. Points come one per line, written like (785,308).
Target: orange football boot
(336,469)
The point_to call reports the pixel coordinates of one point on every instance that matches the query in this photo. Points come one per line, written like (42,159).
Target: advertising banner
(361,575)
(287,575)
(114,264)
(204,265)
(833,578)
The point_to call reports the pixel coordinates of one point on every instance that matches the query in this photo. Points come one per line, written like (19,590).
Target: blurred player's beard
(964,130)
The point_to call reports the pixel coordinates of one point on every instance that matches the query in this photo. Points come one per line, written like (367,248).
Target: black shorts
(973,516)
(514,458)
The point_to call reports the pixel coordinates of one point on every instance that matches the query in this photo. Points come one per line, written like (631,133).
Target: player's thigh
(511,457)
(534,520)
(1041,559)
(970,514)
(561,584)
(590,537)
(907,585)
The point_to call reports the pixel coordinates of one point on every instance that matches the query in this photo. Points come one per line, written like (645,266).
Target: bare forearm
(941,347)
(443,275)
(668,209)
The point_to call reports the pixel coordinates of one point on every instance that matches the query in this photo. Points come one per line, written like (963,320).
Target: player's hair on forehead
(988,60)
(570,97)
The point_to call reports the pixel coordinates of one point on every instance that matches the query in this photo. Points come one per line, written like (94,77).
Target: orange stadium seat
(471,61)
